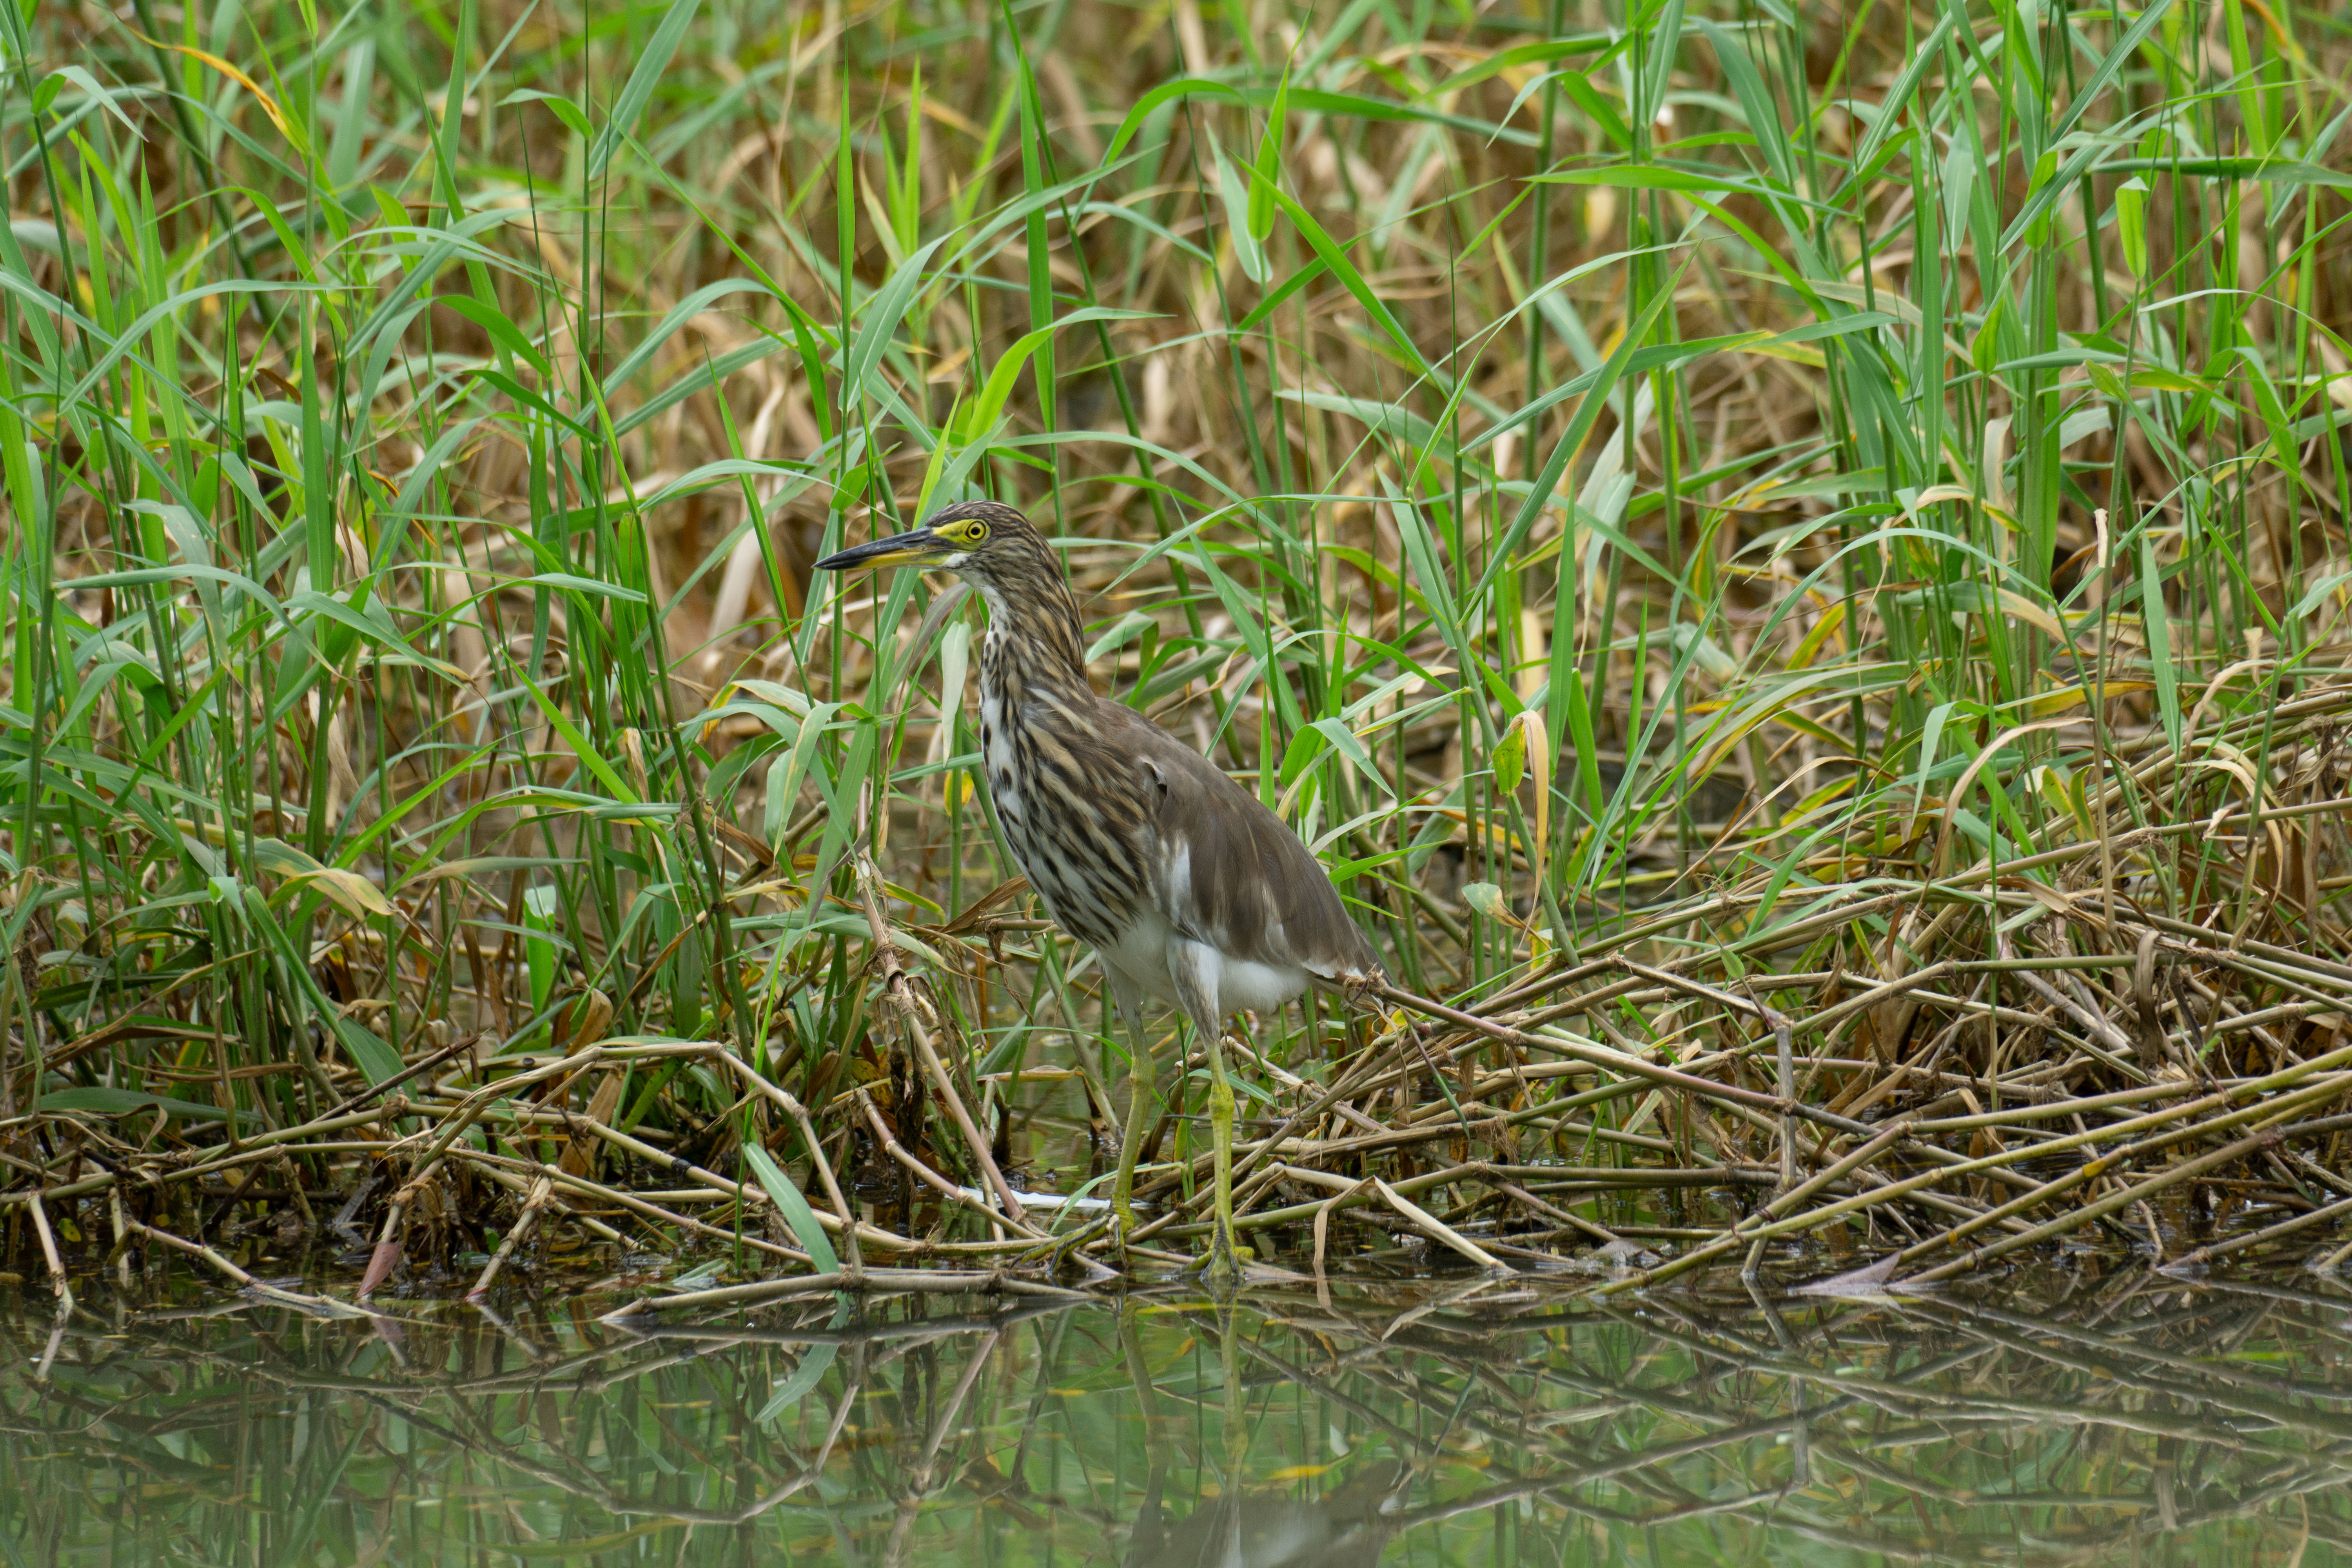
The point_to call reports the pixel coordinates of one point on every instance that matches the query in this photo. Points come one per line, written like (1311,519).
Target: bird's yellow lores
(1186,887)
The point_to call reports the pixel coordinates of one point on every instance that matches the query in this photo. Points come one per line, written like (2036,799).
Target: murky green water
(2111,1416)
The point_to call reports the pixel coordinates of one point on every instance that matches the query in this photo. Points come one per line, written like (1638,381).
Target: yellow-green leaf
(1510,759)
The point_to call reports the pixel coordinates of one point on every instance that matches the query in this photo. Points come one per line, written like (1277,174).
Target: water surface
(2113,1415)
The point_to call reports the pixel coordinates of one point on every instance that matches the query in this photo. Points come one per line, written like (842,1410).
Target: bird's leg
(1194,967)
(1142,1109)
(1223,1269)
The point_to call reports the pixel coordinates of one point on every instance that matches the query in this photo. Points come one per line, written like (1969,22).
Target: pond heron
(1186,887)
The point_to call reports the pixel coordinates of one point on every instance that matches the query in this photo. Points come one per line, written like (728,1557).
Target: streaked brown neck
(1034,636)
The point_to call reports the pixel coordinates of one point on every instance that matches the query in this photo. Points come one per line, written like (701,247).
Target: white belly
(1256,987)
(1144,953)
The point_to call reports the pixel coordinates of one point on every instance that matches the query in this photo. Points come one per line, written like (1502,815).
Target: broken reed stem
(961,1196)
(898,989)
(50,1250)
(1762,1232)
(534,1204)
(1437,1229)
(245,1281)
(2099,1208)
(800,1116)
(2341,1208)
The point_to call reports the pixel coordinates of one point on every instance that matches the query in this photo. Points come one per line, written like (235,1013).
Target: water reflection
(2076,1419)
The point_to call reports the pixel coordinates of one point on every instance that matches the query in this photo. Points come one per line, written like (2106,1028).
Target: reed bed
(1796,572)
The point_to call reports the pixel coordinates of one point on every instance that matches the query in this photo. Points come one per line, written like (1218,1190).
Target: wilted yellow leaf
(351,891)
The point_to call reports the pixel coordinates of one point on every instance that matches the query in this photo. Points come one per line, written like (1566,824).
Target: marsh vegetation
(1794,565)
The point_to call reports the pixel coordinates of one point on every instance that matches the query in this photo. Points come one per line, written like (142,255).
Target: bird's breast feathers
(995,747)
(1119,824)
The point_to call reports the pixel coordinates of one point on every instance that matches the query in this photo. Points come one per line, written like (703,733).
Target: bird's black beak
(915,547)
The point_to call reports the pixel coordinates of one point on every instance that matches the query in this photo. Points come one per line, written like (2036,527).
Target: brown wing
(1231,873)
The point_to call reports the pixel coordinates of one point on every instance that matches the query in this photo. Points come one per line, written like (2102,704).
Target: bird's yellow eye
(974,531)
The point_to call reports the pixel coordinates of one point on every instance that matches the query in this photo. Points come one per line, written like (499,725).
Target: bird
(1190,891)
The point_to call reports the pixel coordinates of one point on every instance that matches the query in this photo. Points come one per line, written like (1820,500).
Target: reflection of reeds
(2088,1413)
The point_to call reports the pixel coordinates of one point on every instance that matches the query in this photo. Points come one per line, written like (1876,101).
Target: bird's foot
(1225,1259)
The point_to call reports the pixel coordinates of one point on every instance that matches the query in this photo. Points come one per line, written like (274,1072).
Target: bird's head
(986,542)
(994,549)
